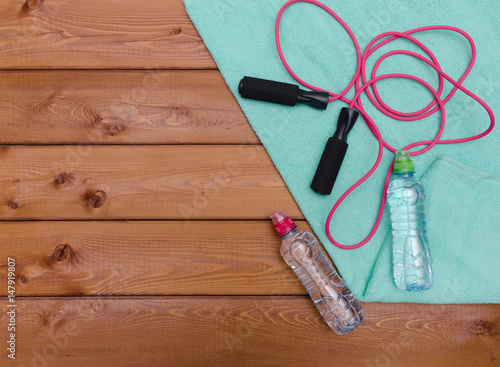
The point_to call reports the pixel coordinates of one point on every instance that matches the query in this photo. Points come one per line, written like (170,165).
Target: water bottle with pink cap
(302,252)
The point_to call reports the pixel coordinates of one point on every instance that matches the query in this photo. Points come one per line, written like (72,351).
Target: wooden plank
(95,34)
(127,107)
(140,182)
(246,331)
(146,258)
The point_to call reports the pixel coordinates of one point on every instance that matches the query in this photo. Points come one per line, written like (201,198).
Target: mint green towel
(463,204)
(463,222)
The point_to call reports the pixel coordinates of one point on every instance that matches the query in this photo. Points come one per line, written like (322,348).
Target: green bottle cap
(403,162)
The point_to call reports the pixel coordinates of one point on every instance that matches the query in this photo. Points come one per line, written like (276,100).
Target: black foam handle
(329,166)
(269,91)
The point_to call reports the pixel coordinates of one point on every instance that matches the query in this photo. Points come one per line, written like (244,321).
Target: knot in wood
(33,4)
(61,253)
(62,178)
(483,328)
(95,198)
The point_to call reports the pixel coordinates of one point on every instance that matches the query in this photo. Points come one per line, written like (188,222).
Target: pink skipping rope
(381,106)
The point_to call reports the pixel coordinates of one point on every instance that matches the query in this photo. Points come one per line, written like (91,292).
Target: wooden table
(134,200)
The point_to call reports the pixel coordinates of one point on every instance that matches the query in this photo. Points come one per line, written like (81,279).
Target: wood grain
(95,34)
(146,258)
(140,182)
(248,331)
(129,107)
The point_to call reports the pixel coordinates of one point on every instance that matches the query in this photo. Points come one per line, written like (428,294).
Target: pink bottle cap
(282,224)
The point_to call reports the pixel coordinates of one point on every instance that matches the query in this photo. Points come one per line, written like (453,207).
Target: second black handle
(329,166)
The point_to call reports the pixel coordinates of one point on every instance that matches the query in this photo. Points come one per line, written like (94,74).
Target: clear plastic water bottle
(411,255)
(301,251)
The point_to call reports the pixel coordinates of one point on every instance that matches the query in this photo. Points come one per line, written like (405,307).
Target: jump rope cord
(361,84)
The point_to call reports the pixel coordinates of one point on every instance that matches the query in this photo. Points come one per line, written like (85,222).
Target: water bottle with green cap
(411,256)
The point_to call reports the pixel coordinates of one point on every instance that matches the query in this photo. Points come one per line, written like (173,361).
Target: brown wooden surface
(96,34)
(247,331)
(196,278)
(140,182)
(148,258)
(126,107)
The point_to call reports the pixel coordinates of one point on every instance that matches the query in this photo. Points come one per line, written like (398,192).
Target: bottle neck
(292,233)
(404,174)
